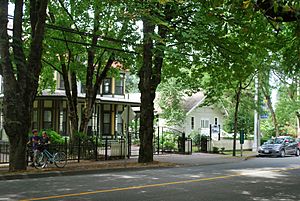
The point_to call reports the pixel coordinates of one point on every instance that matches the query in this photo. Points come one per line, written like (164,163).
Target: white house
(199,117)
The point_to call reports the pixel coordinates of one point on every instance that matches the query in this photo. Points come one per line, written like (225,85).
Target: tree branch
(53,66)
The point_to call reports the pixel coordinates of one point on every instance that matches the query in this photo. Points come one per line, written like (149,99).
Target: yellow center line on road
(152,185)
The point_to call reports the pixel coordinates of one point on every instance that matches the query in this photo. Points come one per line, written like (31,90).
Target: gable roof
(192,102)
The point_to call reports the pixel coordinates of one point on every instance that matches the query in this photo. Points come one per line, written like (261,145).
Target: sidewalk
(89,167)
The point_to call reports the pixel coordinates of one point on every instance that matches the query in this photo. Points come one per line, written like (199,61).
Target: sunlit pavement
(161,160)
(267,179)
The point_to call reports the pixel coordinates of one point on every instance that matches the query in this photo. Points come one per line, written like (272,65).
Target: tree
(87,52)
(286,106)
(170,101)
(20,68)
(154,43)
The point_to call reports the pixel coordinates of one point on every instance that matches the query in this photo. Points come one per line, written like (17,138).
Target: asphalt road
(266,179)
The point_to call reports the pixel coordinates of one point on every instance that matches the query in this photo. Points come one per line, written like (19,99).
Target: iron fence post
(66,147)
(79,148)
(121,141)
(106,144)
(96,148)
(158,140)
(162,140)
(191,146)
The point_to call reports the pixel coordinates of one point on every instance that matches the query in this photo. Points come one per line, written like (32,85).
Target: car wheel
(297,152)
(282,153)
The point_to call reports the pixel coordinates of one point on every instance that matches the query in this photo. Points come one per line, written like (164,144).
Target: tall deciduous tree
(156,16)
(87,51)
(20,69)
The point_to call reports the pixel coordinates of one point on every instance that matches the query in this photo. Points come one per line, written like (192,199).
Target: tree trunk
(147,96)
(72,106)
(17,151)
(237,99)
(150,77)
(20,76)
(274,119)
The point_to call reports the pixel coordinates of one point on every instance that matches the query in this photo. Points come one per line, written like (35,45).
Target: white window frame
(204,123)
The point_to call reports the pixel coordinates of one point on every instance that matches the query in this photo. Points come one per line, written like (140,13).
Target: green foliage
(131,83)
(168,141)
(267,129)
(55,137)
(171,102)
(196,137)
(286,108)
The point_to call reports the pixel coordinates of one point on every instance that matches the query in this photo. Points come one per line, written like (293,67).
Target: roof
(131,99)
(191,102)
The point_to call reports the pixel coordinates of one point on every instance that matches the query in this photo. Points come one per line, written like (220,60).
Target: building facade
(50,109)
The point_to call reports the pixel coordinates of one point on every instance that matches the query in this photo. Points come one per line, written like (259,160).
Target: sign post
(242,140)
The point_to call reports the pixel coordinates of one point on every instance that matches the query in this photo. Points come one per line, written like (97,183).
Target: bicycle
(42,157)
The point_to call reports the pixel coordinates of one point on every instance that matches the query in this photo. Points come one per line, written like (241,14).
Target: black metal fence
(4,152)
(80,150)
(169,140)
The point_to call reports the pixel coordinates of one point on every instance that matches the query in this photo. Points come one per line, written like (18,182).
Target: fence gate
(169,140)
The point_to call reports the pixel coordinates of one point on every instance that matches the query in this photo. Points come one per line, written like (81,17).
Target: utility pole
(256,143)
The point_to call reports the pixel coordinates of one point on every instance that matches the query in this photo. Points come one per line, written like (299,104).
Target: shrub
(196,137)
(55,137)
(215,150)
(168,141)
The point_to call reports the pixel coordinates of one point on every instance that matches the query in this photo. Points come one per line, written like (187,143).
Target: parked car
(280,146)
(298,141)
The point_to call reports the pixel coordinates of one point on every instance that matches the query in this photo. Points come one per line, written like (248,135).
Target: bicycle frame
(48,155)
(43,157)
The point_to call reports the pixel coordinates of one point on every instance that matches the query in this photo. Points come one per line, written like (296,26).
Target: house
(50,108)
(199,117)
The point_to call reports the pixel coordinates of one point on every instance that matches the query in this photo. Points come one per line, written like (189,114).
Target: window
(192,123)
(61,82)
(34,124)
(82,88)
(106,124)
(47,119)
(95,119)
(119,123)
(62,122)
(106,86)
(216,121)
(204,123)
(119,88)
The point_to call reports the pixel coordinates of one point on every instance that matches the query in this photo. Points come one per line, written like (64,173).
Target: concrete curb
(32,175)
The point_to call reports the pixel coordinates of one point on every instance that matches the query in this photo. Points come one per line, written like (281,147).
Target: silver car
(280,146)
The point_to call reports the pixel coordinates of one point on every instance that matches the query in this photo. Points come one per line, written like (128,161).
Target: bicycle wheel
(39,160)
(60,159)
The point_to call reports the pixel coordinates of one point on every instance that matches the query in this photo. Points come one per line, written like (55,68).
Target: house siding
(205,113)
(50,108)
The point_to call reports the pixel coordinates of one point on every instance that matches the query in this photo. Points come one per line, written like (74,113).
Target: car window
(270,141)
(278,140)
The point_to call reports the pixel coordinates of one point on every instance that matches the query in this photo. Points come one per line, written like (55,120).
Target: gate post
(183,142)
(158,140)
(106,144)
(96,147)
